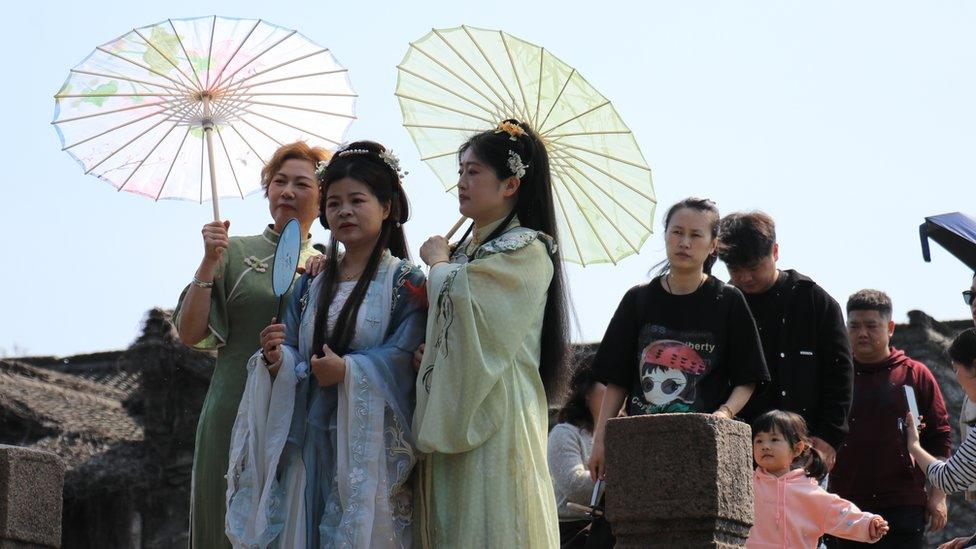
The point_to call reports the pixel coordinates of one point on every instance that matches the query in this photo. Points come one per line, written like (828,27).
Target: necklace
(348,277)
(667,283)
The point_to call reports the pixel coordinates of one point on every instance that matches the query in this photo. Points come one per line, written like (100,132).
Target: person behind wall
(957,473)
(495,348)
(874,470)
(685,341)
(967,416)
(792,510)
(967,419)
(801,328)
(570,442)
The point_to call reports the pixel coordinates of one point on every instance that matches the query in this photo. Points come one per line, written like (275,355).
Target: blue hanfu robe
(315,467)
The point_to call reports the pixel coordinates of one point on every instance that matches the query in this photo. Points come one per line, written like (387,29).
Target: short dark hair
(745,237)
(963,348)
(870,300)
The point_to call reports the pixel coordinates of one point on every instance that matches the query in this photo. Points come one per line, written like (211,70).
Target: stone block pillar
(679,481)
(30,498)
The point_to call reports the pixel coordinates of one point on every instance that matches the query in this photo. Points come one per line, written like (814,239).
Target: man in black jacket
(802,329)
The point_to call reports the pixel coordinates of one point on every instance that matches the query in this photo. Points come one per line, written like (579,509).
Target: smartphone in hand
(912,403)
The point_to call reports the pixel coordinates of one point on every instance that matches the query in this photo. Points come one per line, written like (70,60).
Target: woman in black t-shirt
(684,342)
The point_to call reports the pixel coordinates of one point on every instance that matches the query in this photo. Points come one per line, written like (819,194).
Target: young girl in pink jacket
(792,510)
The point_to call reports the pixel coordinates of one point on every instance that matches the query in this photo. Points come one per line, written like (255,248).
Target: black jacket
(811,368)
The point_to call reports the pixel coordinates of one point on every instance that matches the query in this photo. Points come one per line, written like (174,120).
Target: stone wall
(679,481)
(30,498)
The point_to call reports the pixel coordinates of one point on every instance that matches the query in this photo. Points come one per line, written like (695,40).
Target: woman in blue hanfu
(321,449)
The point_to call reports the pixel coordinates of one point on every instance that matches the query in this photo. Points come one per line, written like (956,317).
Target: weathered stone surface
(679,481)
(30,497)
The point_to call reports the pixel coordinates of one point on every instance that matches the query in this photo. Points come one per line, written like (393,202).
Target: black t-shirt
(680,353)
(767,310)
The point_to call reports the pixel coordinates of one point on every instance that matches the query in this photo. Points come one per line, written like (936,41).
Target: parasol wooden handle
(455,228)
(207,131)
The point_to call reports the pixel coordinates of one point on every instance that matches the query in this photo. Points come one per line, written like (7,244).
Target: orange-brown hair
(299,150)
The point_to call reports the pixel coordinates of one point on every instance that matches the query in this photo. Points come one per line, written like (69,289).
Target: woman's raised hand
(435,250)
(911,430)
(315,264)
(272,338)
(215,240)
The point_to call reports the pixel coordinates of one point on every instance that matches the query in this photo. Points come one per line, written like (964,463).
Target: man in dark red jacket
(873,469)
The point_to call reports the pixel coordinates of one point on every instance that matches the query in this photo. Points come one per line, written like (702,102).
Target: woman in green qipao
(495,347)
(226,306)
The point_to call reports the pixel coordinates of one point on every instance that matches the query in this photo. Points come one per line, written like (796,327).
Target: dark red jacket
(874,468)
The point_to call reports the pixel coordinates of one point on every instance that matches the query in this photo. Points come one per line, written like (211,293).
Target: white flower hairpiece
(393,161)
(320,168)
(515,164)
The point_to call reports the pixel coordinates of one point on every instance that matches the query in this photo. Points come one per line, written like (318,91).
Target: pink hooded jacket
(794,511)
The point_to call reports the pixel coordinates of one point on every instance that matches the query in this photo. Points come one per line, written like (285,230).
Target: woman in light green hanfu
(495,346)
(226,306)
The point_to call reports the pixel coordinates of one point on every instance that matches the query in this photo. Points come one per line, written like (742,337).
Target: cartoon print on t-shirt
(668,371)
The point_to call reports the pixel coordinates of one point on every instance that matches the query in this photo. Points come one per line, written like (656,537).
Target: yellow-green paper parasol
(456,82)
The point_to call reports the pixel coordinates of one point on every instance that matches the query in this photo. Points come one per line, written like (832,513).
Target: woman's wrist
(438,260)
(204,284)
(206,270)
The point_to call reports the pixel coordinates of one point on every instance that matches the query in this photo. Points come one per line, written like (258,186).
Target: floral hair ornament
(393,161)
(513,130)
(515,164)
(323,165)
(320,169)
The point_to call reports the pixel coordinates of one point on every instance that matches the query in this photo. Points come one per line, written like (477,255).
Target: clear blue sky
(847,121)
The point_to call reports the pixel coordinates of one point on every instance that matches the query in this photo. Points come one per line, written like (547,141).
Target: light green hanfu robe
(242,304)
(481,415)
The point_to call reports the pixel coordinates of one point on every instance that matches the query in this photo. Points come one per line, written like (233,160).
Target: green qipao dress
(242,304)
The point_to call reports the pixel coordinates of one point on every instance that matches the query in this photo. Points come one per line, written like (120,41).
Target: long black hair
(794,430)
(363,162)
(575,411)
(535,210)
(702,205)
